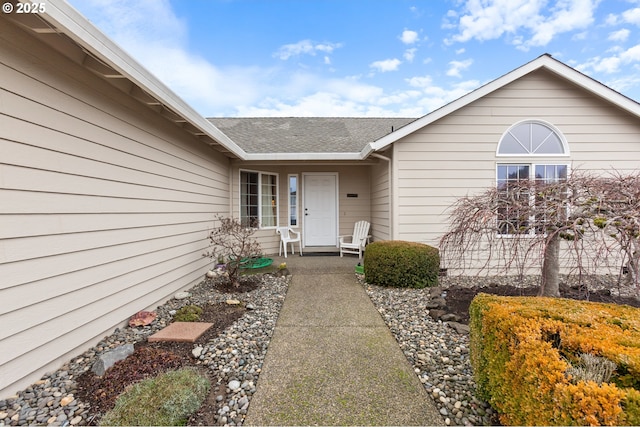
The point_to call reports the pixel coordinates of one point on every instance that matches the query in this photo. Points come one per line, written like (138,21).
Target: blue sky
(358,58)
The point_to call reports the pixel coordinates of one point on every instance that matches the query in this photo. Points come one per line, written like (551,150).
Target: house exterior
(109,182)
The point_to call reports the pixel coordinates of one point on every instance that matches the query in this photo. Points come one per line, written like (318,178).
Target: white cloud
(492,19)
(410,54)
(306,47)
(455,67)
(420,82)
(619,36)
(632,16)
(386,65)
(612,64)
(409,37)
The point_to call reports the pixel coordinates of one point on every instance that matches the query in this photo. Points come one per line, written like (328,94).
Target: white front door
(320,209)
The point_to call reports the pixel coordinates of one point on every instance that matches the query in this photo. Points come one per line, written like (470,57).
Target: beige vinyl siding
(352,179)
(456,155)
(105,208)
(381,200)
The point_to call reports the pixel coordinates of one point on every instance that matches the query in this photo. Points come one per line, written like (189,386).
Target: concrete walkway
(332,360)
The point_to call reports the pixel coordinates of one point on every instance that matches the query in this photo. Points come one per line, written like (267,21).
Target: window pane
(546,141)
(269,204)
(293,200)
(511,145)
(513,196)
(249,199)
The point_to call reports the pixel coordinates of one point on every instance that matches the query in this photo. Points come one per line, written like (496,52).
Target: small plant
(234,242)
(282,266)
(591,368)
(165,400)
(188,313)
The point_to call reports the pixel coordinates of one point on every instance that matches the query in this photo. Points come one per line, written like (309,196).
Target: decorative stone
(108,359)
(436,314)
(197,351)
(234,385)
(142,318)
(211,274)
(450,317)
(436,303)
(182,295)
(66,400)
(250,307)
(459,328)
(233,302)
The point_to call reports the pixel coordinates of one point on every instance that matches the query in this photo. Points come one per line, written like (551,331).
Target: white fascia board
(301,156)
(544,61)
(594,86)
(70,22)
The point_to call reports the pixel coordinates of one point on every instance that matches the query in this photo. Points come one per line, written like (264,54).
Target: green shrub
(188,313)
(401,264)
(165,400)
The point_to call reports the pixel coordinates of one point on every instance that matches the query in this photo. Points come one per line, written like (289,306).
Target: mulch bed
(459,298)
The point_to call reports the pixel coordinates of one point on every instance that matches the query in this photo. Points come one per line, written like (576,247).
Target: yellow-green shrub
(188,313)
(401,264)
(519,352)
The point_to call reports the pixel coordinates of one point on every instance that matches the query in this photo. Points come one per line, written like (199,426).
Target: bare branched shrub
(592,368)
(520,226)
(233,242)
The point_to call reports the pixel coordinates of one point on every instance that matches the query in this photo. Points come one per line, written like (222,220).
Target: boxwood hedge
(403,264)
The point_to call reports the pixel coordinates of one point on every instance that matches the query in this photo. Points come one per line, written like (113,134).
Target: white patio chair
(286,238)
(355,243)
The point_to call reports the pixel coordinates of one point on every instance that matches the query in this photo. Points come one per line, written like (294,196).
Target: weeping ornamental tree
(520,225)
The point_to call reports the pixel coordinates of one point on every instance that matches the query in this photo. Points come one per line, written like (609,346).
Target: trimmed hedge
(521,348)
(401,264)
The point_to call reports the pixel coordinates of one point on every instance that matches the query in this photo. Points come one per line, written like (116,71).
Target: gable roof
(307,135)
(542,62)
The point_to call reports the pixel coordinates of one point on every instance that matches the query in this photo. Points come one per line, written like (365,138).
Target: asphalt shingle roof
(306,134)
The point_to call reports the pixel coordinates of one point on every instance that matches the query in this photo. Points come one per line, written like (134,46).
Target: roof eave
(302,156)
(68,21)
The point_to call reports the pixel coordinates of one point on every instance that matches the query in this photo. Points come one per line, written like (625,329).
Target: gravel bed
(236,357)
(439,355)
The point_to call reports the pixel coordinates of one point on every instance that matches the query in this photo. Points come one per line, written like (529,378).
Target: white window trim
(260,173)
(563,140)
(297,200)
(532,180)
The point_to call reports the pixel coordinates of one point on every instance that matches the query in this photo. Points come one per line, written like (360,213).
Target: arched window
(529,138)
(532,138)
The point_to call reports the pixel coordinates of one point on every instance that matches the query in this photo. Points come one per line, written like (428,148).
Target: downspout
(388,160)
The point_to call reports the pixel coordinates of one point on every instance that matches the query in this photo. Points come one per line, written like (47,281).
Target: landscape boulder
(108,359)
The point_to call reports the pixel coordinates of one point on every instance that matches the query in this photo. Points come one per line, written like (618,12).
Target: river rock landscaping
(233,350)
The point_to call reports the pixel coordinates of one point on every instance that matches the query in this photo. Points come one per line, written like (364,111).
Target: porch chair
(286,237)
(355,243)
